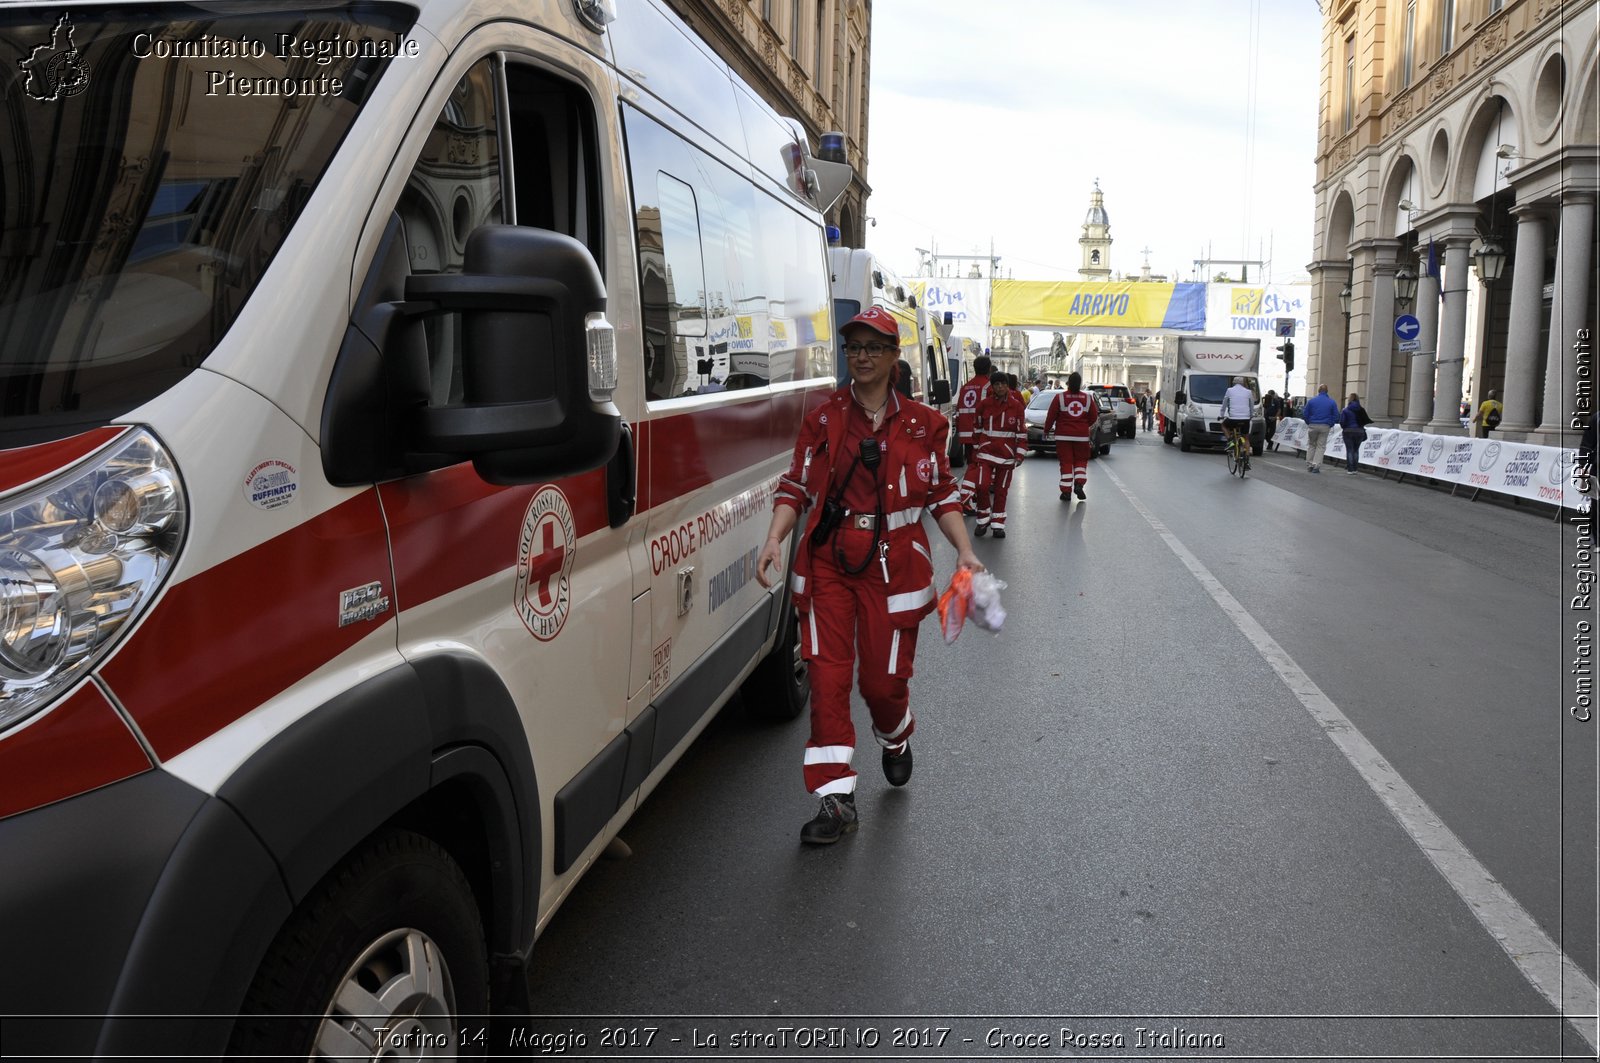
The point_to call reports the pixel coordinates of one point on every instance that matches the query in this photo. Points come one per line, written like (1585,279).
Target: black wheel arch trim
(328,781)
(298,807)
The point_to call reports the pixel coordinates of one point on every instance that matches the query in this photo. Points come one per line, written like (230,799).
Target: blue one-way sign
(1406,327)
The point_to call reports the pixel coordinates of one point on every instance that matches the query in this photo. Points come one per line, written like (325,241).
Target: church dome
(1097,208)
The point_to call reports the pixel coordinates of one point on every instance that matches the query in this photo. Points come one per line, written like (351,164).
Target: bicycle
(1238,452)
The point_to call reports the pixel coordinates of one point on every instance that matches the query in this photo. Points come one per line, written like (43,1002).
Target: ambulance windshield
(157,157)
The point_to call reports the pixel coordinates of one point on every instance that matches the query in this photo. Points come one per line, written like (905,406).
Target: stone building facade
(1451,128)
(809,59)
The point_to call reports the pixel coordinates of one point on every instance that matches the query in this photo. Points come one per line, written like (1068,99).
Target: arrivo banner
(1543,474)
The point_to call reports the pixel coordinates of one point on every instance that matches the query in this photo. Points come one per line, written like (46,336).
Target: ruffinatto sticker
(271,484)
(545,552)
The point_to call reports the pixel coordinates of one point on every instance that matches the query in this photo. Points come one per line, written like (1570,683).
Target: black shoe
(1079,492)
(835,819)
(1066,496)
(999,533)
(981,530)
(897,766)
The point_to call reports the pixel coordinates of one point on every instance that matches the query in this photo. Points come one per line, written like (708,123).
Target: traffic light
(1286,352)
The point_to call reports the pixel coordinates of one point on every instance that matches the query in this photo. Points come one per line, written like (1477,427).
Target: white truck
(1195,372)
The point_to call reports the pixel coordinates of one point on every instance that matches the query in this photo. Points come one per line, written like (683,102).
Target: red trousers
(849,625)
(994,484)
(969,481)
(1074,458)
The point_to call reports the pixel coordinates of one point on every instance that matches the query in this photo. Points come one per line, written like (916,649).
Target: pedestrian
(902,380)
(1071,414)
(1321,414)
(1002,444)
(1271,411)
(1488,416)
(974,391)
(1147,411)
(863,574)
(1353,421)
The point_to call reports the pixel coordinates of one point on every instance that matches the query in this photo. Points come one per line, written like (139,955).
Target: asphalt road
(1281,762)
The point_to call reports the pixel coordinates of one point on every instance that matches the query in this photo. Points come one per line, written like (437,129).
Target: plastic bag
(971,596)
(953,604)
(985,608)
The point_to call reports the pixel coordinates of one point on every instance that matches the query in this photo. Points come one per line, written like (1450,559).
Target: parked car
(1127,411)
(1100,439)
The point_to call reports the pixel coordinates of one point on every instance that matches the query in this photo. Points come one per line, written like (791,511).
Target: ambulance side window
(799,310)
(459,183)
(454,188)
(733,283)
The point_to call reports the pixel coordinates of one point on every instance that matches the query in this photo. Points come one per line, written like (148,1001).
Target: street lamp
(1405,287)
(1489,260)
(1345,295)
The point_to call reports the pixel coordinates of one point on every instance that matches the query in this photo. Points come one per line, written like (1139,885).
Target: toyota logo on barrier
(1561,468)
(1435,450)
(1391,442)
(1491,454)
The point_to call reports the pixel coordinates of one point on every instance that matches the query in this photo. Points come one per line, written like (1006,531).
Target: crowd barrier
(1523,470)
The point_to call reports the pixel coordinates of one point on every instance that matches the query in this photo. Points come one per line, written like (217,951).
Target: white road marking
(1541,961)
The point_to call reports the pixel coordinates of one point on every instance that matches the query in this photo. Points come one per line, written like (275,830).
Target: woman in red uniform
(868,463)
(1070,415)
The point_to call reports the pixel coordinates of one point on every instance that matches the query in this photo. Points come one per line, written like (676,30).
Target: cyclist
(1237,402)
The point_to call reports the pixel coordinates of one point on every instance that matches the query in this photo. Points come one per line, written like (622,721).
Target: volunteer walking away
(1072,412)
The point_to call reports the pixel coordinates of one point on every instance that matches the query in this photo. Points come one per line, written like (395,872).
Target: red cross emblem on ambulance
(545,552)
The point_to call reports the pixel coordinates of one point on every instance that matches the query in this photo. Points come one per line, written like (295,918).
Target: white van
(860,281)
(392,400)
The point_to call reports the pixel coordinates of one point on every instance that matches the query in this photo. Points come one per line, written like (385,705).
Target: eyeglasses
(877,350)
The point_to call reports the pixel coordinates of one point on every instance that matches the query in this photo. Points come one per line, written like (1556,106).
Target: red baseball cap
(877,319)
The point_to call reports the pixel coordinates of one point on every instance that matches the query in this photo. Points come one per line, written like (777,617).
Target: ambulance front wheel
(379,960)
(780,687)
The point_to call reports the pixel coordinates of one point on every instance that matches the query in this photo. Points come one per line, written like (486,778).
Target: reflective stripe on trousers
(849,623)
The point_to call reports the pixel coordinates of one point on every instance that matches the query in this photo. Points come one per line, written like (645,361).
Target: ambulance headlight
(80,557)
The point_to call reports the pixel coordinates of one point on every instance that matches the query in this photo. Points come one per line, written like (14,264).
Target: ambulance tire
(361,926)
(780,687)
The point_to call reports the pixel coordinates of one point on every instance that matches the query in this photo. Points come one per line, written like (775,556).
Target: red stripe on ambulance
(221,643)
(253,626)
(79,745)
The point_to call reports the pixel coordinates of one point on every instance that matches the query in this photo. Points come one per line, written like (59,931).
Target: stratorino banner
(1128,305)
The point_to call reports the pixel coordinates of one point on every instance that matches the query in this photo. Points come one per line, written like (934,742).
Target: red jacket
(915,474)
(971,394)
(1070,415)
(1002,431)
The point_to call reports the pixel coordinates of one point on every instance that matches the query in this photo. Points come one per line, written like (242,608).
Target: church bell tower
(1096,239)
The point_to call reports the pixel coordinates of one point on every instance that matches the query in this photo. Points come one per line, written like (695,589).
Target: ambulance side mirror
(940,393)
(536,403)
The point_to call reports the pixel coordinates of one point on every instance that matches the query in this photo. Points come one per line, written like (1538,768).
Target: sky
(991,121)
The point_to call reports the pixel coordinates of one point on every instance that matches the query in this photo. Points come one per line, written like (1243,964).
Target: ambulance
(391,400)
(860,281)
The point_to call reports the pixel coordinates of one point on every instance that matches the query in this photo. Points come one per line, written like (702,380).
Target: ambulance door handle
(621,481)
